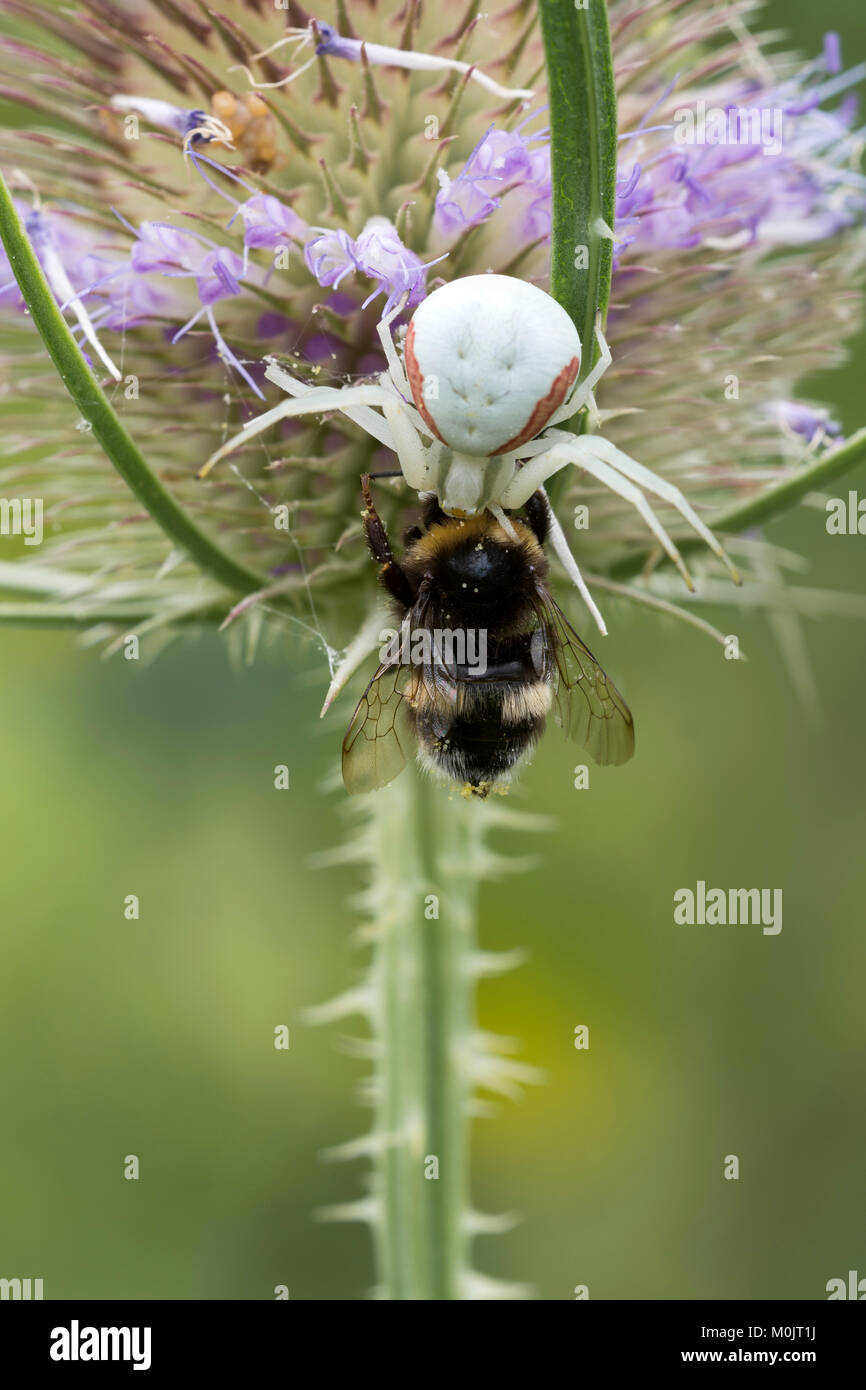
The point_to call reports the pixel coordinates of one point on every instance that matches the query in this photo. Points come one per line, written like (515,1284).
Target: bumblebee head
(481,569)
(477,571)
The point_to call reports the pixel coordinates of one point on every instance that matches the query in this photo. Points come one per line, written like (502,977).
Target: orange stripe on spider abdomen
(416,381)
(546,406)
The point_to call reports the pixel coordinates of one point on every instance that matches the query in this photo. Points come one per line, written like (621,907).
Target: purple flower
(268,223)
(808,421)
(129,299)
(55,237)
(333,45)
(766,166)
(330,256)
(183,121)
(381,255)
(377,253)
(65,253)
(171,251)
(501,159)
(78,264)
(161,248)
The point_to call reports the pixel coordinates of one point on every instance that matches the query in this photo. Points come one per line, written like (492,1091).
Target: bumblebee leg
(390,574)
(395,581)
(538,516)
(432,513)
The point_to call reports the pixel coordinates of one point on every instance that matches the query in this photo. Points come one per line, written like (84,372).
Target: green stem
(424,847)
(95,408)
(766,506)
(583,145)
(583,151)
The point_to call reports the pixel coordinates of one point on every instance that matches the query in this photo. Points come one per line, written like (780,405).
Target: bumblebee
(474,721)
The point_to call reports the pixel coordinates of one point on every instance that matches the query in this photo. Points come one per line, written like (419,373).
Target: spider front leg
(602,460)
(583,395)
(407,445)
(397,430)
(543,521)
(362,415)
(660,487)
(319,400)
(396,370)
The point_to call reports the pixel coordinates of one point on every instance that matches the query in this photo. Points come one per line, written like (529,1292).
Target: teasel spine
(425,854)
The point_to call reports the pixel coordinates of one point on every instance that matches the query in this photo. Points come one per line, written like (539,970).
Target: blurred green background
(155,1037)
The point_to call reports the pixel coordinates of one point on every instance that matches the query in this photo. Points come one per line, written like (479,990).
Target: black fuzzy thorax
(476,576)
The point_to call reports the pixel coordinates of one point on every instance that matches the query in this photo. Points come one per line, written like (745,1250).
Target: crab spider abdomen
(489,359)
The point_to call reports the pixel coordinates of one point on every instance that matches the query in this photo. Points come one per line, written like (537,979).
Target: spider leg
(583,395)
(407,407)
(667,491)
(317,401)
(563,552)
(504,520)
(361,415)
(604,360)
(579,451)
(660,487)
(395,366)
(397,431)
(406,443)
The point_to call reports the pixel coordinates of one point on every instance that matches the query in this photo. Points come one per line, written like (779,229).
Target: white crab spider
(488,372)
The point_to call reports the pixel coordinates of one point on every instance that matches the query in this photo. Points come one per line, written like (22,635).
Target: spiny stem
(764,507)
(96,409)
(423,982)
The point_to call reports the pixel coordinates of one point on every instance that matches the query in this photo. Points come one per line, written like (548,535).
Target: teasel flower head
(199,204)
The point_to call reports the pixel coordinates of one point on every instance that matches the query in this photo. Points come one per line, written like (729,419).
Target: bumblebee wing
(438,677)
(434,682)
(379,739)
(587,704)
